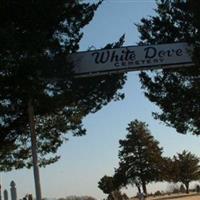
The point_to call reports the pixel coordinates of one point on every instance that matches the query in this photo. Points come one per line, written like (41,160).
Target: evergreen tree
(35,39)
(175,91)
(140,155)
(183,167)
(188,168)
(169,169)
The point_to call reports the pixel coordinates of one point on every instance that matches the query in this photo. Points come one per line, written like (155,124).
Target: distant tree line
(74,197)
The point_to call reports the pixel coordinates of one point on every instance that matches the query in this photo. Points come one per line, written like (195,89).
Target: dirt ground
(174,197)
(188,198)
(177,197)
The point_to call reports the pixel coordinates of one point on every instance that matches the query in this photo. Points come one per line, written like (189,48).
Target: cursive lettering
(113,56)
(152,52)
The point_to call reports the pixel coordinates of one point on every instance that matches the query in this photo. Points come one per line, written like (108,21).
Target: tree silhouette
(188,168)
(176,91)
(140,155)
(107,185)
(35,39)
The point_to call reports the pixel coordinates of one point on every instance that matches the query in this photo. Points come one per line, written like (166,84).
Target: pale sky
(84,160)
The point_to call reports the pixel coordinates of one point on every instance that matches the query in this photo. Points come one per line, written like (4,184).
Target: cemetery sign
(131,58)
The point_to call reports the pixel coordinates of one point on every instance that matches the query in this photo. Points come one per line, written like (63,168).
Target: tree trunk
(187,187)
(144,187)
(34,151)
(138,187)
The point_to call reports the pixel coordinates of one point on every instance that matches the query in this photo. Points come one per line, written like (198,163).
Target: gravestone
(0,192)
(13,191)
(5,194)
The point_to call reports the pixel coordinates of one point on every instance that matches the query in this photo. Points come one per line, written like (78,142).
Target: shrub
(182,189)
(175,191)
(197,188)
(157,193)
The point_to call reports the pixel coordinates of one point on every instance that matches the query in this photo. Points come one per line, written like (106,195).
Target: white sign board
(131,58)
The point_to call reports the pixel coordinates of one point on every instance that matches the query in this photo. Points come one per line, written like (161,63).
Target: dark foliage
(175,91)
(35,39)
(183,167)
(140,155)
(107,184)
(188,168)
